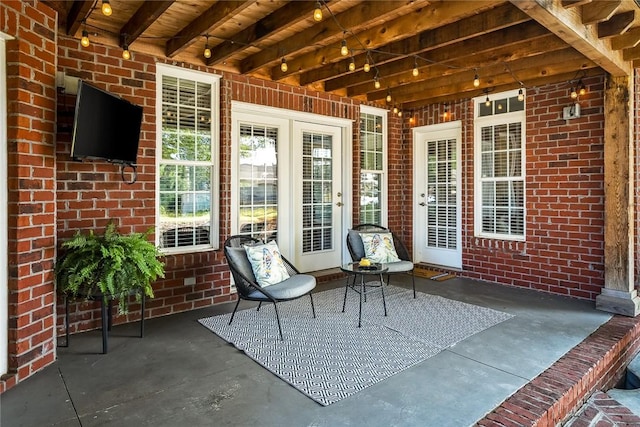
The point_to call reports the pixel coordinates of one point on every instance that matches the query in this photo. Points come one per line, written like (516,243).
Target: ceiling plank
(146,15)
(510,42)
(328,31)
(396,30)
(566,24)
(287,15)
(629,39)
(519,63)
(599,11)
(473,26)
(79,11)
(617,25)
(219,13)
(574,3)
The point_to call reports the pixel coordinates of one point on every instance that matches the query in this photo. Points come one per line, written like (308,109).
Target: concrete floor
(181,374)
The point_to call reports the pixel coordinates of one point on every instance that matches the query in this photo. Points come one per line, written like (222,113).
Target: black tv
(105,126)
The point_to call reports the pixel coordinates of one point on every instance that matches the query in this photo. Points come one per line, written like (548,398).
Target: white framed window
(500,123)
(373,165)
(187,199)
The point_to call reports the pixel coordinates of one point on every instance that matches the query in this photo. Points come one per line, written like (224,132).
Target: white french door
(318,196)
(4,276)
(437,195)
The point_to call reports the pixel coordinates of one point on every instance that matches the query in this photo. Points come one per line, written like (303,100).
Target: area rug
(329,358)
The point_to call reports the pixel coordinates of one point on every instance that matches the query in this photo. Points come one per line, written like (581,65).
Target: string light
(388,96)
(352,63)
(367,67)
(583,90)
(84,41)
(574,94)
(207,49)
(344,50)
(400,113)
(487,102)
(476,80)
(415,71)
(125,53)
(445,115)
(520,94)
(317,13)
(376,83)
(106,8)
(283,65)
(395,110)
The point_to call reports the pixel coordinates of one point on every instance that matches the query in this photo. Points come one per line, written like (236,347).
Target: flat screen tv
(105,126)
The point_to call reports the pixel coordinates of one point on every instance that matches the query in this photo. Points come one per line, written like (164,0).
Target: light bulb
(106,8)
(207,51)
(487,102)
(283,66)
(395,110)
(344,50)
(317,14)
(352,65)
(376,83)
(520,95)
(399,113)
(574,94)
(388,97)
(415,72)
(583,89)
(366,67)
(85,39)
(125,53)
(476,81)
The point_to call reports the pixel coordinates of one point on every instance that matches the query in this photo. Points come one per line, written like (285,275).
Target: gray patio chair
(357,251)
(296,286)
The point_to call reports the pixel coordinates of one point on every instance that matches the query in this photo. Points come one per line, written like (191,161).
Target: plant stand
(106,305)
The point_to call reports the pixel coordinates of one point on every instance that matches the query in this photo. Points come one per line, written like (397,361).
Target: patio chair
(248,287)
(357,250)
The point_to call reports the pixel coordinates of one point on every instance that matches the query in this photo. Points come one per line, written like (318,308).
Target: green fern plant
(112,264)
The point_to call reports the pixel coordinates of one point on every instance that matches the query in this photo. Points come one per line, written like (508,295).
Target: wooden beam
(629,39)
(617,25)
(574,3)
(631,54)
(599,11)
(566,24)
(473,26)
(529,38)
(282,18)
(217,14)
(619,294)
(329,31)
(146,15)
(79,11)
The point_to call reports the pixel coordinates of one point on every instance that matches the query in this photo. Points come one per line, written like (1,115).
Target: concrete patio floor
(182,374)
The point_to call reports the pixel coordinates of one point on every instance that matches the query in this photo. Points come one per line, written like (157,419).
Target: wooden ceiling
(508,44)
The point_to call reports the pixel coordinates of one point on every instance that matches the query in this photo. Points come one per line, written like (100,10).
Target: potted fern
(108,265)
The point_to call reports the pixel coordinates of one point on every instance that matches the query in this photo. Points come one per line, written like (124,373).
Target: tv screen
(105,126)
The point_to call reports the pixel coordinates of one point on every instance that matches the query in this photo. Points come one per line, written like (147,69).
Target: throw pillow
(266,263)
(378,247)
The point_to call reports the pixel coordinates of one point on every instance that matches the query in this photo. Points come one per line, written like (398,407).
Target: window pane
(372,166)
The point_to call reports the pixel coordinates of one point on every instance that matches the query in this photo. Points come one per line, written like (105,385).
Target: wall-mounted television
(105,126)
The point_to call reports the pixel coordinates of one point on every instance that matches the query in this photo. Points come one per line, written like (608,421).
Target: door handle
(339,204)
(423,204)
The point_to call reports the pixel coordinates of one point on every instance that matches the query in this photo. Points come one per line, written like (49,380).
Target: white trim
(244,107)
(214,80)
(4,276)
(366,109)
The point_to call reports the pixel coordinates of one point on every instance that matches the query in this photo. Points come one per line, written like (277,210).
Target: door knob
(339,204)
(423,204)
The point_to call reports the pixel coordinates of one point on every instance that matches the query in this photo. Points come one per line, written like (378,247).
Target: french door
(437,195)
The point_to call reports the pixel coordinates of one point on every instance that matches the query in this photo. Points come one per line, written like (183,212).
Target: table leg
(346,288)
(361,296)
(384,303)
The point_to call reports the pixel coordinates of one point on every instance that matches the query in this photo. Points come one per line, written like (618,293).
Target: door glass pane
(441,194)
(317,193)
(258,186)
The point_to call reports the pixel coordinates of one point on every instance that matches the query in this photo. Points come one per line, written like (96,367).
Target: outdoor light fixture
(476,80)
(317,13)
(376,83)
(125,53)
(367,67)
(207,49)
(415,71)
(106,8)
(520,95)
(352,64)
(344,50)
(487,102)
(84,41)
(388,96)
(283,65)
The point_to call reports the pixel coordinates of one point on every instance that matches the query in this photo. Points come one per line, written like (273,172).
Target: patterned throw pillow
(266,263)
(378,247)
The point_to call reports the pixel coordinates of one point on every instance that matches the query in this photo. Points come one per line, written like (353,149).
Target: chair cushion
(266,263)
(399,267)
(355,241)
(294,287)
(237,258)
(379,247)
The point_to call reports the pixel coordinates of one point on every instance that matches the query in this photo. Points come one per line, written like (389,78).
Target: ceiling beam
(567,24)
(629,39)
(599,11)
(472,26)
(217,14)
(328,31)
(282,18)
(146,15)
(617,25)
(78,12)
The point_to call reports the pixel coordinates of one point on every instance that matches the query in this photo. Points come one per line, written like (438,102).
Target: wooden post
(619,294)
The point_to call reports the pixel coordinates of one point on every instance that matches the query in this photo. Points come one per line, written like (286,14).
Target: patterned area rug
(329,358)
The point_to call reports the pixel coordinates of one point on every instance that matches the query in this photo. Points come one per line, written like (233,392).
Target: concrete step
(628,398)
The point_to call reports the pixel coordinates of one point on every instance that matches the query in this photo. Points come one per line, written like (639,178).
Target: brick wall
(564,248)
(31,235)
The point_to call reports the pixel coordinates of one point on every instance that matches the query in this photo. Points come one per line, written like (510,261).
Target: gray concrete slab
(182,374)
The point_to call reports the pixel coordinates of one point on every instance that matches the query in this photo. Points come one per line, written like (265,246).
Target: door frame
(4,200)
(419,134)
(263,114)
